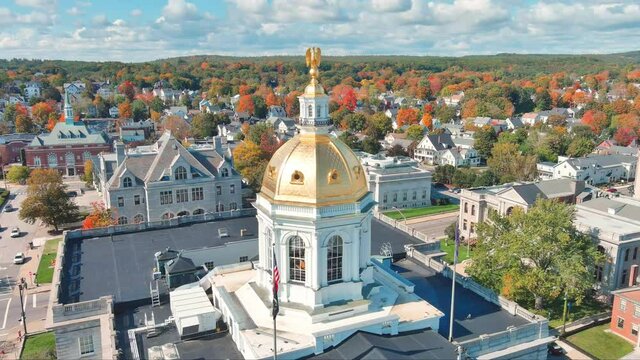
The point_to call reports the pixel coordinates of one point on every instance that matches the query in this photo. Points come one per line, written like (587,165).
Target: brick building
(11,146)
(67,147)
(625,314)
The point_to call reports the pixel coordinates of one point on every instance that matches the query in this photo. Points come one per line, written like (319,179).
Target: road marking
(34,300)
(6,313)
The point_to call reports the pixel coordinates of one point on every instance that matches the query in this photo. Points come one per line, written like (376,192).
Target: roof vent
(613,211)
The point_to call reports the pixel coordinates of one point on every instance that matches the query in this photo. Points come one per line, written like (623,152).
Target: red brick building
(67,147)
(11,146)
(625,314)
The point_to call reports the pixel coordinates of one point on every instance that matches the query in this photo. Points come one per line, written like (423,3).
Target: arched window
(509,210)
(233,206)
(52,160)
(473,209)
(122,220)
(224,172)
(37,161)
(127,182)
(138,219)
(334,259)
(198,212)
(181,173)
(466,208)
(310,111)
(296,259)
(69,158)
(183,213)
(219,207)
(167,216)
(86,155)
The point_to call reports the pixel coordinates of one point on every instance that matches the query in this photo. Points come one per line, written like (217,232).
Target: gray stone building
(396,181)
(165,180)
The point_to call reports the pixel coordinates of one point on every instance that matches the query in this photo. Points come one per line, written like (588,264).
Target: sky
(142,30)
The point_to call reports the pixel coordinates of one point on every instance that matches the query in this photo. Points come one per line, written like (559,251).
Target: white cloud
(391,5)
(74,11)
(180,10)
(136,12)
(251,6)
(100,20)
(37,3)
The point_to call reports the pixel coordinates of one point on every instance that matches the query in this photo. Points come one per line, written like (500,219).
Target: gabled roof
(170,150)
(440,142)
(70,134)
(179,264)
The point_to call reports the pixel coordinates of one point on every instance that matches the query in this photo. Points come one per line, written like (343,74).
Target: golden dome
(314,170)
(314,88)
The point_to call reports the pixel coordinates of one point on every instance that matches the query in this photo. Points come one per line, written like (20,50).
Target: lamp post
(564,314)
(398,210)
(22,286)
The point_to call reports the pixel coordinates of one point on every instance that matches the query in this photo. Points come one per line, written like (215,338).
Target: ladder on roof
(155,293)
(152,329)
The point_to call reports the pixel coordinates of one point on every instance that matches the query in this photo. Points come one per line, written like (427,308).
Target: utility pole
(22,286)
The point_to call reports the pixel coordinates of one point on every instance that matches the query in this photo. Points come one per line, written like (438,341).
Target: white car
(15,232)
(19,258)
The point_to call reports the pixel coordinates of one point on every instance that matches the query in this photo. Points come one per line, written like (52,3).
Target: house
(530,118)
(241,116)
(33,89)
(74,88)
(17,99)
(557,112)
(442,150)
(608,147)
(514,123)
(229,131)
(132,131)
(164,180)
(104,90)
(276,111)
(284,125)
(12,147)
(396,182)
(476,204)
(207,107)
(454,99)
(180,111)
(391,113)
(625,314)
(67,147)
(596,169)
(114,112)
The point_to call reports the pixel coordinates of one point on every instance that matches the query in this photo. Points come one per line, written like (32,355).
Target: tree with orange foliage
(427,120)
(596,120)
(469,109)
(99,217)
(345,96)
(292,105)
(272,99)
(245,103)
(178,127)
(244,89)
(634,75)
(408,116)
(125,111)
(41,112)
(621,106)
(204,65)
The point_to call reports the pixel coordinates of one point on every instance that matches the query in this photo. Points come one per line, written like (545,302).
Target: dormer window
(127,183)
(181,173)
(225,172)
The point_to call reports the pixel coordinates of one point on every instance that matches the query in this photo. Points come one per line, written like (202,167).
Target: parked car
(19,258)
(72,193)
(8,207)
(554,349)
(15,232)
(612,190)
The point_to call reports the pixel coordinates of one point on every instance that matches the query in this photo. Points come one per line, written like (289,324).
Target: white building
(443,150)
(593,169)
(396,182)
(32,90)
(164,180)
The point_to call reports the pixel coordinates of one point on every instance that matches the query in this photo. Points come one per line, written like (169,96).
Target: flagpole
(453,279)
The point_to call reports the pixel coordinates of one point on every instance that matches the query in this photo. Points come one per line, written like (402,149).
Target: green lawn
(449,247)
(588,307)
(422,211)
(601,344)
(45,270)
(40,346)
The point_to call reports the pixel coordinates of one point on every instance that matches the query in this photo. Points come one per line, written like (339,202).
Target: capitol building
(314,213)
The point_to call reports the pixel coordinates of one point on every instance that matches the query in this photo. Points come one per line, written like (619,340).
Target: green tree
(397,150)
(445,113)
(371,145)
(18,174)
(355,122)
(10,113)
(486,178)
(444,173)
(415,132)
(507,162)
(463,178)
(139,110)
(485,138)
(47,200)
(256,131)
(351,140)
(156,105)
(543,101)
(380,125)
(204,125)
(535,256)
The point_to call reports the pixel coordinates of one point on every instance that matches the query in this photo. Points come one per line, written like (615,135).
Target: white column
(355,254)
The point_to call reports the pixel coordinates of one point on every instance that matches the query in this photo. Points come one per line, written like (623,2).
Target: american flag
(276,281)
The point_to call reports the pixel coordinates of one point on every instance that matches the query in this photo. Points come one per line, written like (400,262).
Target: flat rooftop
(486,317)
(122,265)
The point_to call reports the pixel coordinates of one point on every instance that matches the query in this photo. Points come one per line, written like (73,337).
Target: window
(634,329)
(623,304)
(182,195)
(138,219)
(166,197)
(219,207)
(181,173)
(334,259)
(626,255)
(473,209)
(120,201)
(183,213)
(384,198)
(466,208)
(404,196)
(122,220)
(167,216)
(86,345)
(127,182)
(37,161)
(136,199)
(197,194)
(218,190)
(52,160)
(244,258)
(598,272)
(296,259)
(233,206)
(395,197)
(620,323)
(310,111)
(471,227)
(209,265)
(269,260)
(232,189)
(623,279)
(86,155)
(424,194)
(225,172)
(464,225)
(635,253)
(198,212)
(636,311)
(69,159)
(415,195)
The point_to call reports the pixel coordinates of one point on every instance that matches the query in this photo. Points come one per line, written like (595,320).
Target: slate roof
(441,142)
(7,138)
(70,134)
(179,265)
(599,161)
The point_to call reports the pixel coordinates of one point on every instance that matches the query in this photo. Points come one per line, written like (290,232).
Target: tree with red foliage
(272,99)
(345,96)
(269,143)
(435,84)
(292,105)
(408,116)
(204,65)
(41,112)
(427,108)
(427,120)
(245,103)
(244,89)
(99,217)
(128,90)
(624,136)
(596,120)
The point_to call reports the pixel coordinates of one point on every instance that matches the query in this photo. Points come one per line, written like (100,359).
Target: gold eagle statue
(313,61)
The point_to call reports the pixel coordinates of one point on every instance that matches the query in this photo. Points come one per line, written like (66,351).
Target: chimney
(217,144)
(119,145)
(636,183)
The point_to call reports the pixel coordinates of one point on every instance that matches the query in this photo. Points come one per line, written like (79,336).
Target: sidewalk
(571,352)
(420,219)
